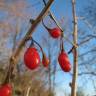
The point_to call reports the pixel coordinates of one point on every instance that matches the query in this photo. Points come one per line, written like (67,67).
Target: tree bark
(75,52)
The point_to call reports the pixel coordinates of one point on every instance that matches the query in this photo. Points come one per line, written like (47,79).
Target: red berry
(32,58)
(45,61)
(6,90)
(64,62)
(55,32)
(66,67)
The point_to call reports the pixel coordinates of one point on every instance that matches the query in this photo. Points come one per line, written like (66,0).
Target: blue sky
(60,8)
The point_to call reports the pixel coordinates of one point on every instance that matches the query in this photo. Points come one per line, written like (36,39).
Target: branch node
(32,21)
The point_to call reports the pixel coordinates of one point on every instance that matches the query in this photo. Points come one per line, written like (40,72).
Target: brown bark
(75,53)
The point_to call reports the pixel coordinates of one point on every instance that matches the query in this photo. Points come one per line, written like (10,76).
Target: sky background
(62,10)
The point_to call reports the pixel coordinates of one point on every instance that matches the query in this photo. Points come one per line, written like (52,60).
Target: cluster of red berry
(32,58)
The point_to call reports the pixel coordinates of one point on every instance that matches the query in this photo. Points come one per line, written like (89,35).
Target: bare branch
(85,53)
(14,57)
(87,73)
(89,25)
(75,53)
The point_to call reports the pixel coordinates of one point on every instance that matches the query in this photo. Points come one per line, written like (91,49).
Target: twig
(87,73)
(53,17)
(75,53)
(89,25)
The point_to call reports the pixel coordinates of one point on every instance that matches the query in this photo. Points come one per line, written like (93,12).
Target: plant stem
(75,53)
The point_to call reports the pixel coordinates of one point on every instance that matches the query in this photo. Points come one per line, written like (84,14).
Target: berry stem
(39,47)
(53,17)
(32,43)
(45,25)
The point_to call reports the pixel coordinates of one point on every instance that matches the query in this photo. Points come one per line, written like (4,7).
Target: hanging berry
(64,62)
(54,32)
(6,90)
(63,58)
(32,58)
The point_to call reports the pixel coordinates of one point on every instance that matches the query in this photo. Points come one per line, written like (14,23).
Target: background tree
(87,58)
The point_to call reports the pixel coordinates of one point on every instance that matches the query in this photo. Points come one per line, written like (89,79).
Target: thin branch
(89,25)
(87,62)
(53,17)
(75,53)
(91,36)
(85,53)
(87,73)
(15,56)
(85,41)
